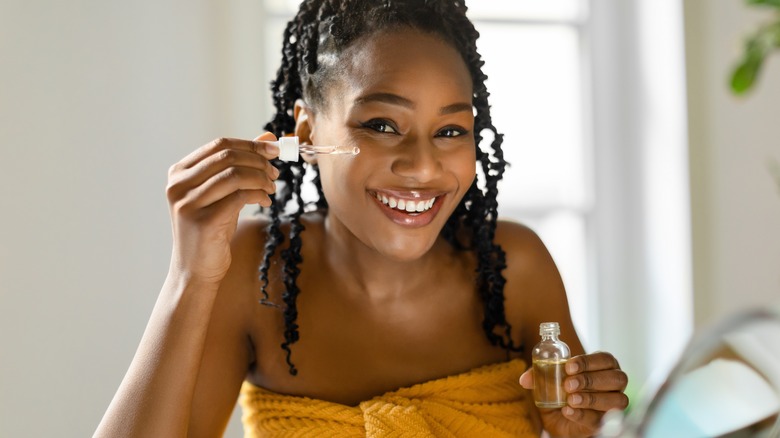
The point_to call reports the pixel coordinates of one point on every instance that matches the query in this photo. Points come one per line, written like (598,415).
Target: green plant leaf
(757,48)
(773,3)
(743,77)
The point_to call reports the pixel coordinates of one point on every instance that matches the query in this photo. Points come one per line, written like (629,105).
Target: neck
(373,275)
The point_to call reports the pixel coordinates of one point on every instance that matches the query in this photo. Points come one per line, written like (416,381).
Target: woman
(396,302)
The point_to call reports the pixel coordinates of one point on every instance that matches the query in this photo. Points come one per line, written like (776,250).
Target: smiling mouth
(406,205)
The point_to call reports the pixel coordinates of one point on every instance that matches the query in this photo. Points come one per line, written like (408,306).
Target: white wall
(97,99)
(735,203)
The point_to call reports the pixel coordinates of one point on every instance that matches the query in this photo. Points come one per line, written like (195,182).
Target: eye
(451,131)
(380,125)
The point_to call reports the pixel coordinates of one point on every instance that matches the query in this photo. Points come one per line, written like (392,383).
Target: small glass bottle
(549,358)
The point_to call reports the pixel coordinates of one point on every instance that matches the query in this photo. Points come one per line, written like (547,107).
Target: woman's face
(405,99)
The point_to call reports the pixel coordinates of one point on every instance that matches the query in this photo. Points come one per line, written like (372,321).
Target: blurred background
(644,175)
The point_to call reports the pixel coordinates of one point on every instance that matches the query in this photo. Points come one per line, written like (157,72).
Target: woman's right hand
(206,191)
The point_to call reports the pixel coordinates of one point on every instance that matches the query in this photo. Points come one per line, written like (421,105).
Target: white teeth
(409,206)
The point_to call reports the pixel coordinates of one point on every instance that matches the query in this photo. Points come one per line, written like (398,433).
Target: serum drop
(549,357)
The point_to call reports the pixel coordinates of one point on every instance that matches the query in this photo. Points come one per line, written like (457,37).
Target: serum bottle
(549,357)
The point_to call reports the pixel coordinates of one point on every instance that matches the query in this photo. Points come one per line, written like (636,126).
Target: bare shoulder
(250,234)
(534,291)
(531,275)
(253,234)
(253,231)
(524,249)
(257,280)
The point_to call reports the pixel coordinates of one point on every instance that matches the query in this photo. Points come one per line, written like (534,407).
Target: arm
(185,376)
(535,293)
(534,290)
(154,398)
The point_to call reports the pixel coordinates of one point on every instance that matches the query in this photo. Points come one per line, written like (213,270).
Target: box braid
(313,41)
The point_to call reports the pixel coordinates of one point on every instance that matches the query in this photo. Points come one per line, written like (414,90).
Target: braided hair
(313,41)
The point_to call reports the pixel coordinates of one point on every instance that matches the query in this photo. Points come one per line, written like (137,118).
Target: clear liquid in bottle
(549,358)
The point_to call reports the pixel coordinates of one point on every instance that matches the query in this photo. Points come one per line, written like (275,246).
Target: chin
(405,250)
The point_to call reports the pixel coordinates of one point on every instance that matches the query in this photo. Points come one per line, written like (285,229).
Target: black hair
(323,29)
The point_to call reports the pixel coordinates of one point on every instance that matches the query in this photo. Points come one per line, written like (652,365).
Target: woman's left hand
(594,384)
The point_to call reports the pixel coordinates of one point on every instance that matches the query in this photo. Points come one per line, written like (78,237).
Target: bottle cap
(549,328)
(288,148)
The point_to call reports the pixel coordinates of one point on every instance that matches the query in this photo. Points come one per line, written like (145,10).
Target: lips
(409,208)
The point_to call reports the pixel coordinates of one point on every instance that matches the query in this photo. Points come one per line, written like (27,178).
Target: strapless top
(484,402)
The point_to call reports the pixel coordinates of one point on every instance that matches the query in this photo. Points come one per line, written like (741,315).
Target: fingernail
(572,384)
(567,411)
(271,148)
(575,399)
(572,367)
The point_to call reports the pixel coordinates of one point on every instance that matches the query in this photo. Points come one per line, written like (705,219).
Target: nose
(418,160)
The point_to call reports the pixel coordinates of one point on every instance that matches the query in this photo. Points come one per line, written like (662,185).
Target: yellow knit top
(484,402)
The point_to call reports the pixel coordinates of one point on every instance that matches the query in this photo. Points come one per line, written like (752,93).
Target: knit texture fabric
(484,402)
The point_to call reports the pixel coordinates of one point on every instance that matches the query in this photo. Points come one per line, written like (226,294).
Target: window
(533,54)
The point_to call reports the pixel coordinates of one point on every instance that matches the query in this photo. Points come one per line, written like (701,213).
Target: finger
(585,417)
(196,175)
(260,146)
(270,148)
(231,205)
(610,380)
(237,200)
(266,136)
(527,379)
(598,401)
(591,362)
(227,182)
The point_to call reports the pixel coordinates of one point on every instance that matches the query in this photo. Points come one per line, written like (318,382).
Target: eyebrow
(389,98)
(394,99)
(456,108)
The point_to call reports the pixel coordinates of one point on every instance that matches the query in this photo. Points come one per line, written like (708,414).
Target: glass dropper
(290,149)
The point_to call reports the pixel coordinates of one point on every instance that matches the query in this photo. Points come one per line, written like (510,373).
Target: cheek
(463,165)
(339,175)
